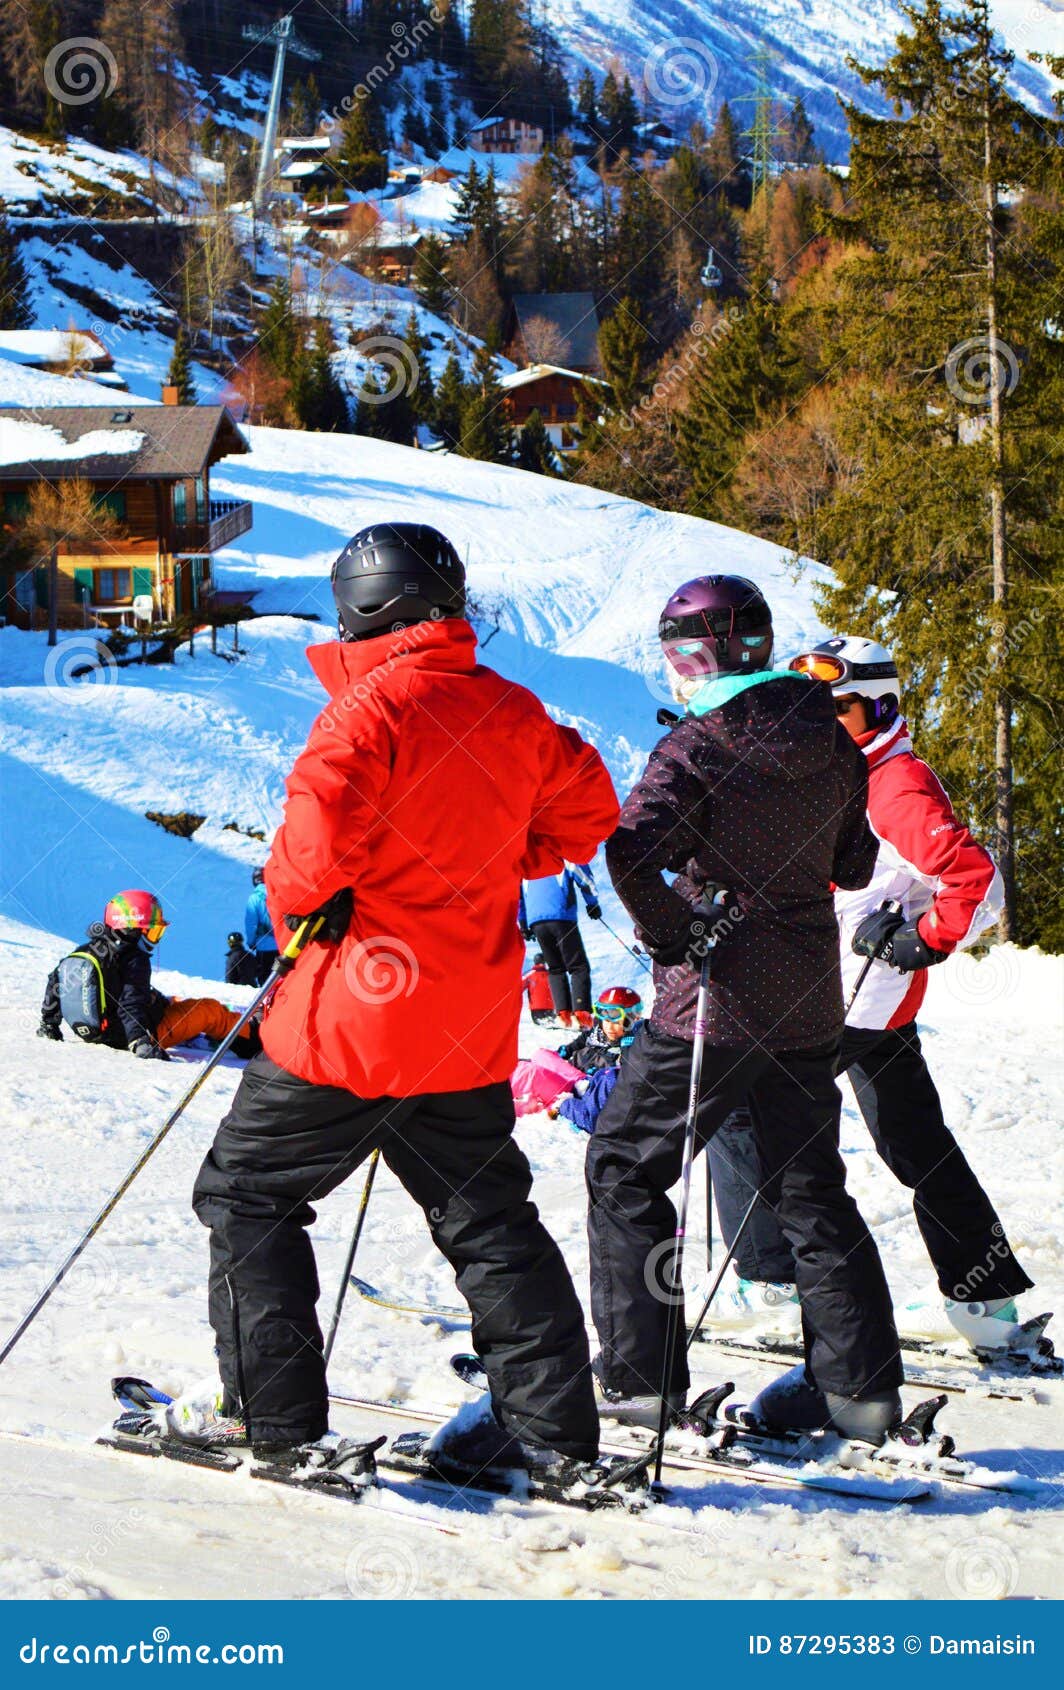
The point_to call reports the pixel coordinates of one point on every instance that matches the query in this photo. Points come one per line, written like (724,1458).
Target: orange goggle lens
(155,932)
(819,666)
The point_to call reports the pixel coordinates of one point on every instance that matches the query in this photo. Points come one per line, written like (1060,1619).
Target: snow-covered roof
(156,442)
(304,144)
(536,372)
(52,346)
(21,384)
(32,442)
(300,167)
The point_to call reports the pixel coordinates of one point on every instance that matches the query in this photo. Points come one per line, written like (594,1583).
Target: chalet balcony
(228,518)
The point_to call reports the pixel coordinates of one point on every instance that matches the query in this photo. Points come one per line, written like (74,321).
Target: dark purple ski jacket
(766,794)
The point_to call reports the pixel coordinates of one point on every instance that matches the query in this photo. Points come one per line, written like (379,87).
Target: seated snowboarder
(103,990)
(258,930)
(598,1051)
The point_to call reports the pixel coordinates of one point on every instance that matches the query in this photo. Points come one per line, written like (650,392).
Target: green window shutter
(83,585)
(40,586)
(142,582)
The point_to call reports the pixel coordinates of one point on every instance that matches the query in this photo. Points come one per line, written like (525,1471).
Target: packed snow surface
(572,579)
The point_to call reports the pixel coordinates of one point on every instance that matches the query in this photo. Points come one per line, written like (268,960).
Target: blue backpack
(83,996)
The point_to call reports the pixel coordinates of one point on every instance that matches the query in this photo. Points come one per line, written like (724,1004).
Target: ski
(424,1311)
(958,1378)
(137,1433)
(722,1463)
(914,1448)
(411,1454)
(1012,1376)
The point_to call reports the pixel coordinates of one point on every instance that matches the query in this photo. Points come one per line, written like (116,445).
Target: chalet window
(180,504)
(201,500)
(114,502)
(16,506)
(112,584)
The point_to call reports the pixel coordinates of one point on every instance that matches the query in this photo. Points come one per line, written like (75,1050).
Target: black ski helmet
(717,625)
(258,875)
(393,574)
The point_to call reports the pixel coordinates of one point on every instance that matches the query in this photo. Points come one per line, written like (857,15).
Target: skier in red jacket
(536,984)
(428,788)
(950,892)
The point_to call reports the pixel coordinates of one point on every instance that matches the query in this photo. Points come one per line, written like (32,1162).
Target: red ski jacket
(431,787)
(928,861)
(537,988)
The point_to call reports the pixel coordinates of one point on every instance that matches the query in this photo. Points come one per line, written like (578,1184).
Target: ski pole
(709,1213)
(586,886)
(728,1259)
(895,908)
(360,1221)
(690,1132)
(285,960)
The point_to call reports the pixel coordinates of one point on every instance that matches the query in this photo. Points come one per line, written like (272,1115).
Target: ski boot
(329,1462)
(633,1411)
(201,1416)
(993,1325)
(475,1449)
(760,1306)
(792,1403)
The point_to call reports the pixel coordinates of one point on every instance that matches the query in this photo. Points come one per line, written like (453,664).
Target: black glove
(336,914)
(690,944)
(594,912)
(525,932)
(909,950)
(887,935)
(149,1051)
(46,1031)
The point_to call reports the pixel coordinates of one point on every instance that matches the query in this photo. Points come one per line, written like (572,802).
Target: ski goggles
(155,932)
(820,666)
(617,1011)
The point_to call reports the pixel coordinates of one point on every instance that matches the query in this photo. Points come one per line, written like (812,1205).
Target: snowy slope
(576,578)
(690,53)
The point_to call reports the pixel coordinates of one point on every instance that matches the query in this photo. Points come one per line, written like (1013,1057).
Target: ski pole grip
(308,929)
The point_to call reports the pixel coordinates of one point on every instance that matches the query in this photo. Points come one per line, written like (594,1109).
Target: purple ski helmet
(717,625)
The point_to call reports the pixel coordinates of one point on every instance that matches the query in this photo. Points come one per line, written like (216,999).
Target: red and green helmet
(618,1003)
(136,911)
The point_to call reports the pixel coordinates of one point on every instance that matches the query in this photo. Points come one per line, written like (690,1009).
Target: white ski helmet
(851,664)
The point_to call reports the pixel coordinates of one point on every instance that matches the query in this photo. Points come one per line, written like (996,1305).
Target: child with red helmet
(104,992)
(597,1051)
(536,984)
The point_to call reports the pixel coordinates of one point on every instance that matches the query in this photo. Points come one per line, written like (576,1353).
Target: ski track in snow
(82,762)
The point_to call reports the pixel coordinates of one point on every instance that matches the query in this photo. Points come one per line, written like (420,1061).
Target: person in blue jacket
(258,929)
(547,913)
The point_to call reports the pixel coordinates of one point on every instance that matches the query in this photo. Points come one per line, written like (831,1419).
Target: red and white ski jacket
(928,861)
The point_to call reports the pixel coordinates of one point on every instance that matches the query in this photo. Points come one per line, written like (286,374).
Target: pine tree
(179,374)
(618,115)
(623,347)
(534,449)
(799,140)
(361,161)
(320,401)
(587,104)
(449,403)
(728,166)
(280,333)
(948,543)
(429,277)
(15,309)
(486,434)
(734,387)
(422,397)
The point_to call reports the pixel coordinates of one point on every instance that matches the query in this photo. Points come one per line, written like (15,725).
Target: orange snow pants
(184,1018)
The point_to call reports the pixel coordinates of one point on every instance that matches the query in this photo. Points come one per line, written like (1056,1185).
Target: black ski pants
(633,1160)
(903,1112)
(286,1143)
(567,965)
